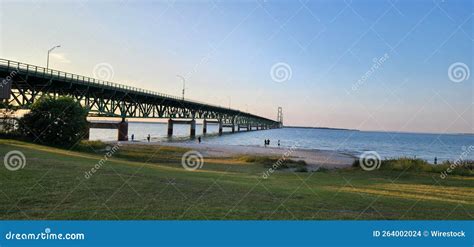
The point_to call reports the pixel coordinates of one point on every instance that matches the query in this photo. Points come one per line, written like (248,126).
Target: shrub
(58,122)
(91,146)
(406,164)
(463,167)
(322,169)
(276,163)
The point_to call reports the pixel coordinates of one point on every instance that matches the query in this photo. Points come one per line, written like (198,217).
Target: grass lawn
(145,182)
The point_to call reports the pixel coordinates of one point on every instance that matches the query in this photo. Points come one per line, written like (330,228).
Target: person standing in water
(148,137)
(199,139)
(133,137)
(278,142)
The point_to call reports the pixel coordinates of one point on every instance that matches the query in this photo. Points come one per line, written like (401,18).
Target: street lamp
(184,82)
(49,51)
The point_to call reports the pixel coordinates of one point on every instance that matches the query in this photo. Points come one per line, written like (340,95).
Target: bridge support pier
(193,128)
(170,127)
(87,134)
(204,126)
(220,127)
(123,130)
(192,124)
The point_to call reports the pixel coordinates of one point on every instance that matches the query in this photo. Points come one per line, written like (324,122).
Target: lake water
(386,144)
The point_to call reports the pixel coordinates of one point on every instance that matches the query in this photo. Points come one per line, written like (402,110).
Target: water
(386,144)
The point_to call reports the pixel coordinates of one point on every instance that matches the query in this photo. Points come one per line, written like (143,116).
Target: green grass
(146,182)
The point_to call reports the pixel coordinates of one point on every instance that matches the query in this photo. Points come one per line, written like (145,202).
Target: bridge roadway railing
(64,76)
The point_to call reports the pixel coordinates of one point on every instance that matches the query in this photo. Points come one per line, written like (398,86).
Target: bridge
(23,84)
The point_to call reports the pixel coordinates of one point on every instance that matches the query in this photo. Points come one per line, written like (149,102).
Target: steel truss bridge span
(27,83)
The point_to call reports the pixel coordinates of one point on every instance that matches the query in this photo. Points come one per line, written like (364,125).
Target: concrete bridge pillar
(170,127)
(233,128)
(220,126)
(123,130)
(86,135)
(204,126)
(193,127)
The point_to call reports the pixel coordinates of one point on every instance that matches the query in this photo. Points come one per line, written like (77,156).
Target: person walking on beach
(265,142)
(278,143)
(268,142)
(148,137)
(133,137)
(199,139)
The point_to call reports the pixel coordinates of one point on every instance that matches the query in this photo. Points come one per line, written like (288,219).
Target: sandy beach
(314,158)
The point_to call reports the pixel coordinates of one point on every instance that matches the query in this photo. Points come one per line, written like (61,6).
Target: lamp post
(184,83)
(49,51)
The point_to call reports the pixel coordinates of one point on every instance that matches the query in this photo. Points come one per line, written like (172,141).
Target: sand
(313,158)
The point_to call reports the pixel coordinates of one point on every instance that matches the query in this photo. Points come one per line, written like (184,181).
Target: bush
(58,122)
(406,164)
(8,121)
(91,146)
(462,168)
(276,163)
(322,169)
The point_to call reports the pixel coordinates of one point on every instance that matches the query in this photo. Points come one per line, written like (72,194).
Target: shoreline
(314,158)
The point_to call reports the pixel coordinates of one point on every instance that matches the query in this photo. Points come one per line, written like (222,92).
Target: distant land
(394,131)
(325,128)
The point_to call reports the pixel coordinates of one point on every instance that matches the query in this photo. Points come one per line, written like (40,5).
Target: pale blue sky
(226,50)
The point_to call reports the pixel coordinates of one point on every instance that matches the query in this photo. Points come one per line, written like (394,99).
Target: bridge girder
(30,83)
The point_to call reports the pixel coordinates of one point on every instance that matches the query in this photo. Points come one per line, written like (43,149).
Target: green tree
(58,122)
(7,118)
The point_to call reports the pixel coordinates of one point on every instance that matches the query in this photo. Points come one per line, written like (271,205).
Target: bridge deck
(106,98)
